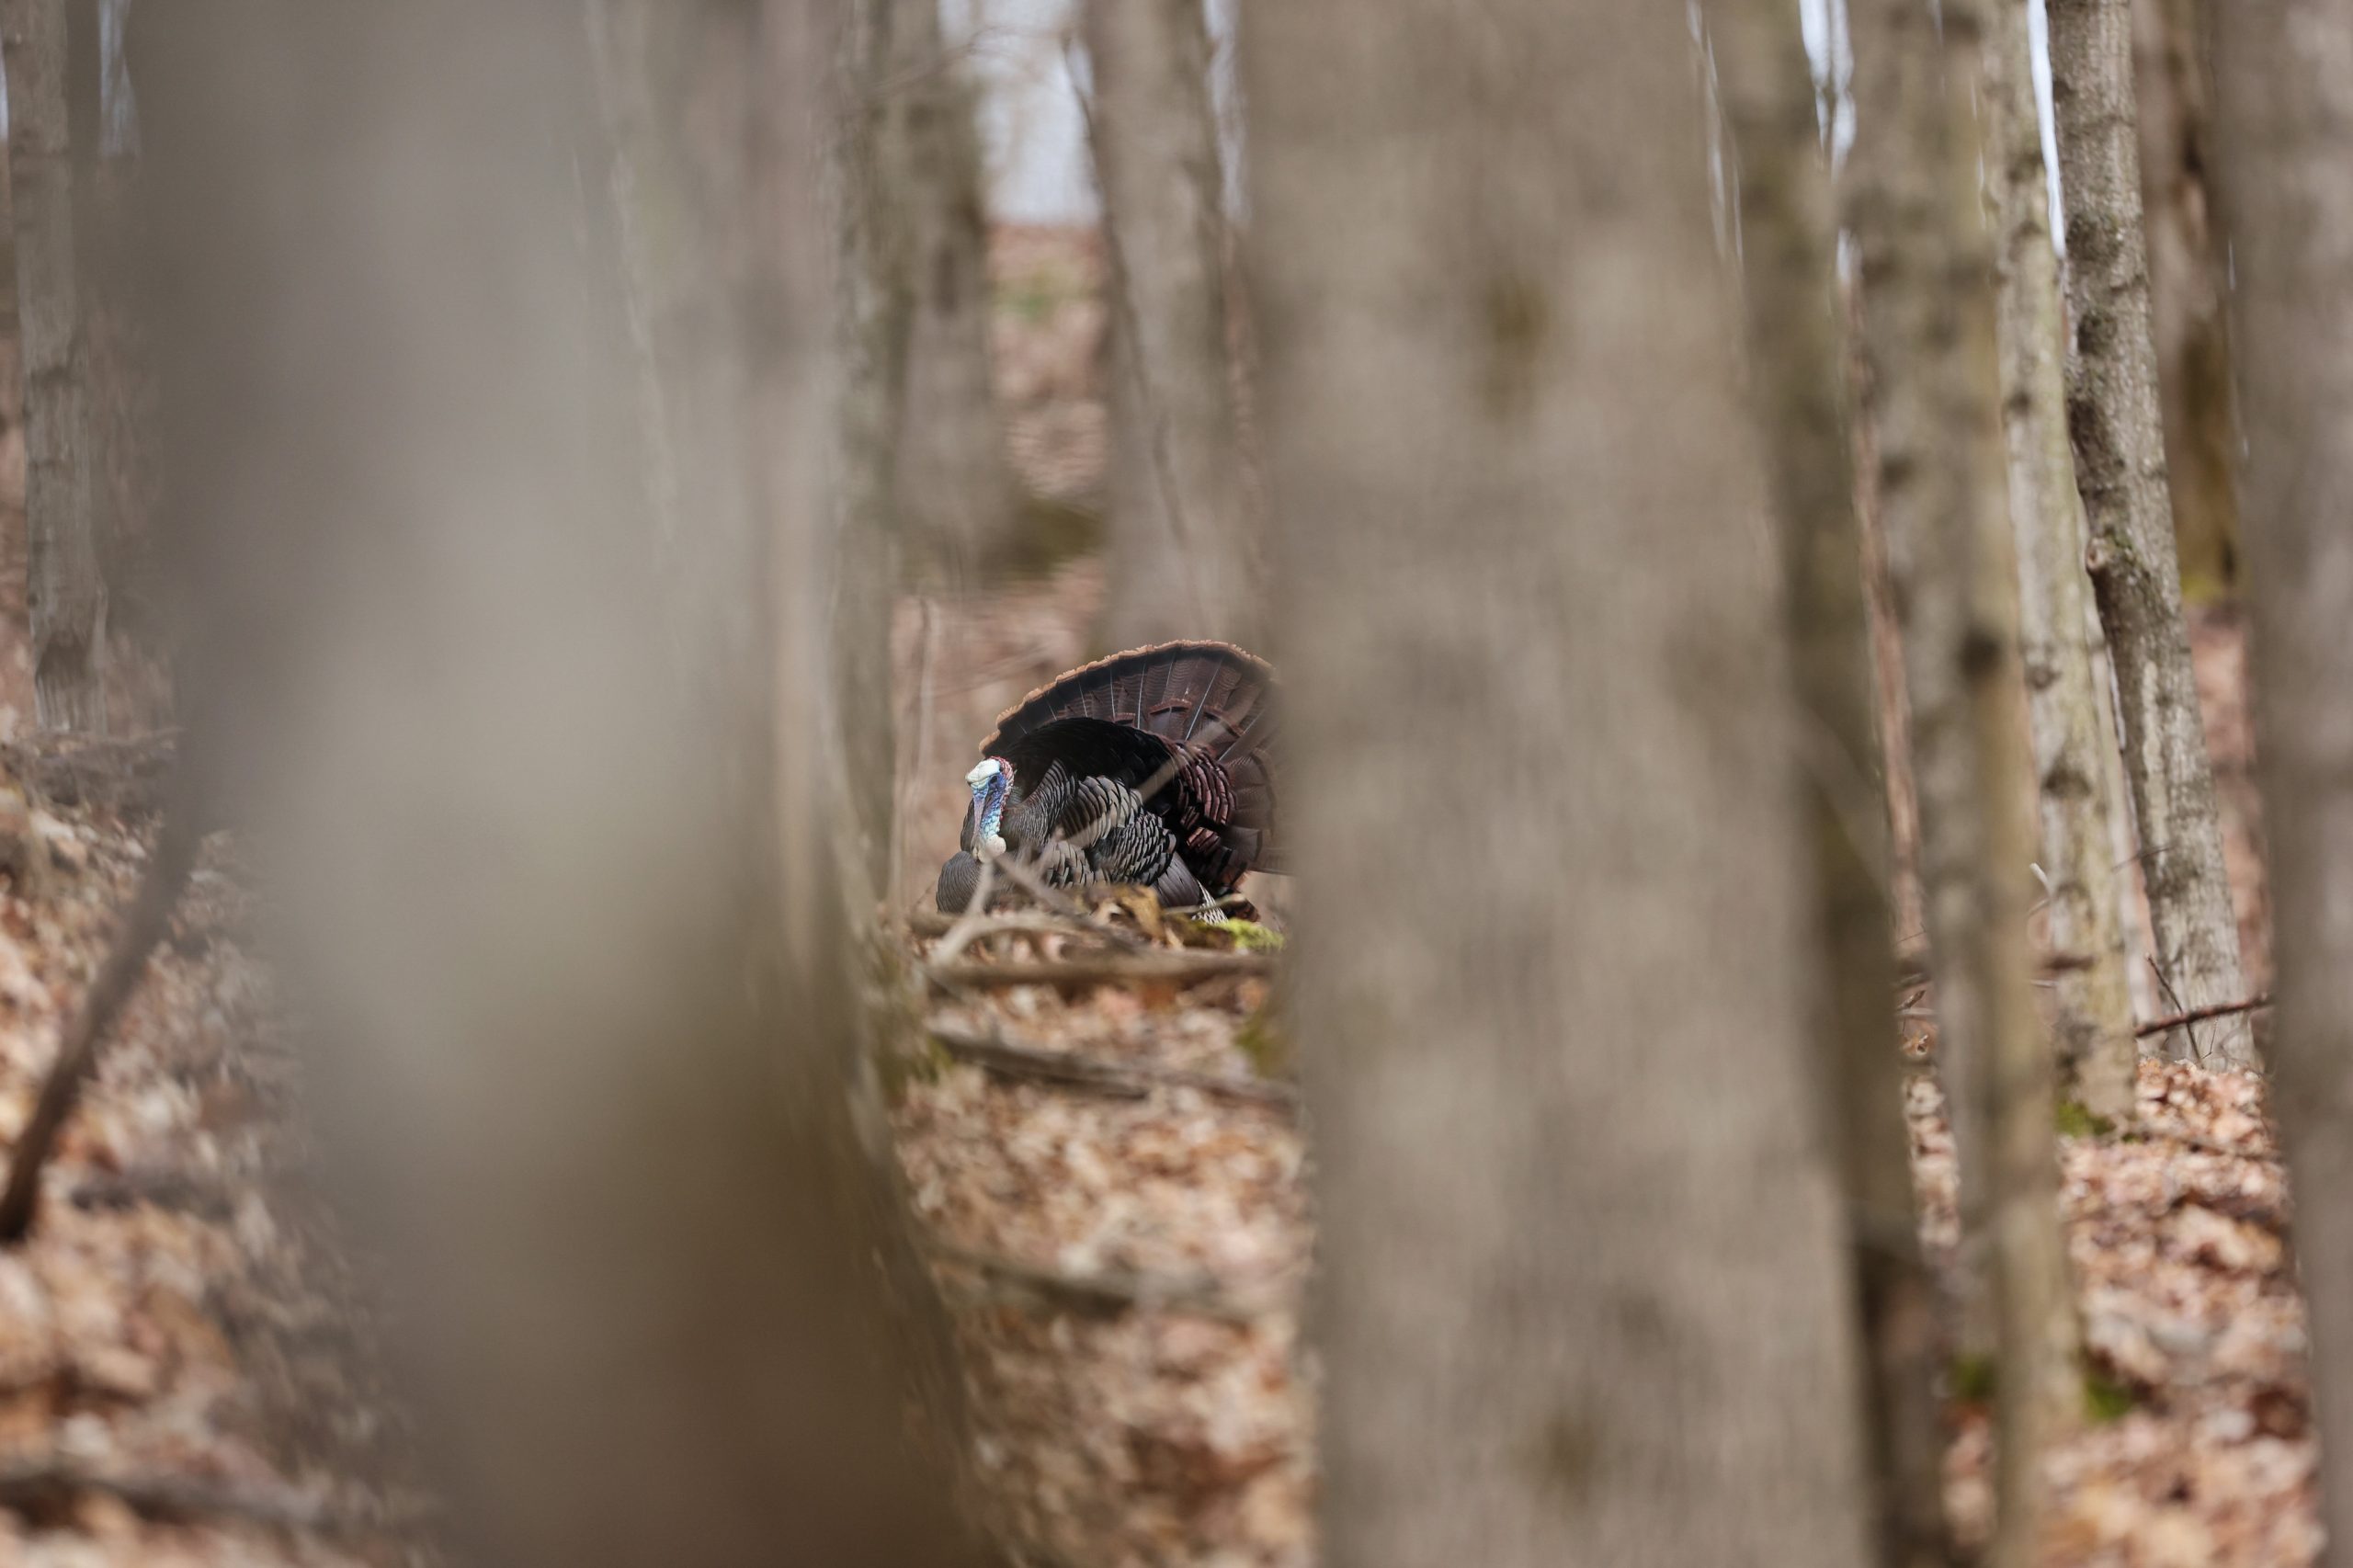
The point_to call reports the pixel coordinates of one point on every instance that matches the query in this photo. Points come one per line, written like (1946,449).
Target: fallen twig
(1153,964)
(77,1055)
(972,921)
(1911,970)
(1010,922)
(1029,882)
(124,773)
(2198,1145)
(1117,1080)
(1035,1554)
(2197,1052)
(1109,1292)
(2200,1014)
(173,1189)
(48,1484)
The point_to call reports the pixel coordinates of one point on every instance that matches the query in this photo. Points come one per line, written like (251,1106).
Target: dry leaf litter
(183,1371)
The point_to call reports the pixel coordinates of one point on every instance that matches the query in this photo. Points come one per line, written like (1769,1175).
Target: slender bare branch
(1112,1292)
(1125,1080)
(2200,1014)
(142,927)
(201,1499)
(1163,965)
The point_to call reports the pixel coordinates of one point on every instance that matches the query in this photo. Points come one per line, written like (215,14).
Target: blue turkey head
(992,780)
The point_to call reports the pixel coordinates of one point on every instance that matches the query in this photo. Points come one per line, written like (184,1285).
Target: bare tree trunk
(957,490)
(2133,908)
(876,306)
(2176,97)
(65,589)
(669,172)
(641,200)
(2286,129)
(1797,372)
(2121,470)
(1518,495)
(572,944)
(1929,341)
(2067,703)
(1891,706)
(16,614)
(1180,535)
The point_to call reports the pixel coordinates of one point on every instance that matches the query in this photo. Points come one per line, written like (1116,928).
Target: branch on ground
(49,1483)
(1914,970)
(1177,965)
(1063,1069)
(1109,1292)
(1011,922)
(126,774)
(118,977)
(1061,903)
(2200,1014)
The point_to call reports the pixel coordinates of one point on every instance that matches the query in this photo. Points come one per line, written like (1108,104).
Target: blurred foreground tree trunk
(1797,374)
(2285,127)
(1181,549)
(1930,344)
(2067,703)
(2174,91)
(1582,1297)
(958,495)
(552,863)
(2121,470)
(65,587)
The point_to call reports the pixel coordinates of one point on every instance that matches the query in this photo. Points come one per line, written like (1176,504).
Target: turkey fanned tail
(1192,727)
(1153,766)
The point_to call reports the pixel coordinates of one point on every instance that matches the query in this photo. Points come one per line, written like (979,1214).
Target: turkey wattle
(1150,766)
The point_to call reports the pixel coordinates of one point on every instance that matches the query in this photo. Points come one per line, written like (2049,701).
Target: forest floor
(183,1377)
(1125,1255)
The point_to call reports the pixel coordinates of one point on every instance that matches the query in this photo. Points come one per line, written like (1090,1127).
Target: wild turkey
(1151,766)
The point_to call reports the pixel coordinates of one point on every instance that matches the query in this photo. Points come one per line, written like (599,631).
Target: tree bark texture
(876,303)
(2285,125)
(583,1009)
(1797,375)
(1929,342)
(1892,706)
(16,615)
(1581,1298)
(2119,435)
(66,589)
(2175,90)
(2068,700)
(958,496)
(1181,537)
(641,201)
